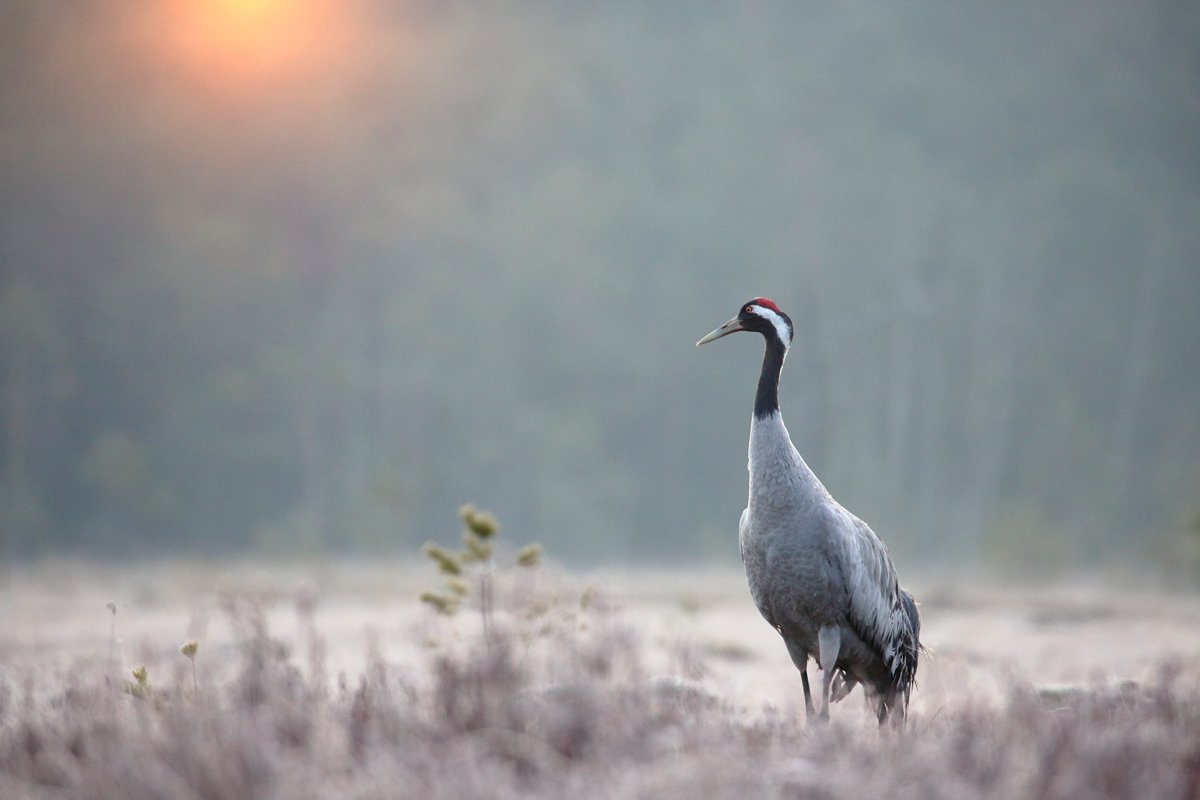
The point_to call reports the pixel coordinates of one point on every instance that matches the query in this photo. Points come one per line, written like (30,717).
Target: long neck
(766,401)
(774,461)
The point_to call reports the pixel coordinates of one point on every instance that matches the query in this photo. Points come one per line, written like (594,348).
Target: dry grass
(335,683)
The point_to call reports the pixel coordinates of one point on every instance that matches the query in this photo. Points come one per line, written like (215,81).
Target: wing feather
(879,610)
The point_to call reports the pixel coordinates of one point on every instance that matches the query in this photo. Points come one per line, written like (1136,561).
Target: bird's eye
(749,309)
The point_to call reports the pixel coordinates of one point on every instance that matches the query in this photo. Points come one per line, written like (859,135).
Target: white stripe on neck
(781,327)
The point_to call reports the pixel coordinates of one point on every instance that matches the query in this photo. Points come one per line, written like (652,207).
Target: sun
(242,15)
(235,42)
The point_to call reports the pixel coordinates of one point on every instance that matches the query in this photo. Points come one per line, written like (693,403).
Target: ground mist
(559,696)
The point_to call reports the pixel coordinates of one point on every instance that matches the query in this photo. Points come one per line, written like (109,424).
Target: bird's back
(880,614)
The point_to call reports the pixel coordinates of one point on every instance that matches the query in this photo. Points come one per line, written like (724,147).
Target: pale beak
(733,326)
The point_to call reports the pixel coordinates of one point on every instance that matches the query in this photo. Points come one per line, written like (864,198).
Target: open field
(333,681)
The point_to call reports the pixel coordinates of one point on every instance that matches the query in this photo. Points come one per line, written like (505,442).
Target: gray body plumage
(811,565)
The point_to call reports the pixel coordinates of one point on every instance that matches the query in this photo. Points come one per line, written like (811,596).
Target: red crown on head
(765,303)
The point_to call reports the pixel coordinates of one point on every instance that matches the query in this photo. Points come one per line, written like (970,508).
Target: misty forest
(307,289)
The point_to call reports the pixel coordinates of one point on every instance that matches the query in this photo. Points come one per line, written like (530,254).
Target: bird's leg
(829,640)
(800,659)
(892,709)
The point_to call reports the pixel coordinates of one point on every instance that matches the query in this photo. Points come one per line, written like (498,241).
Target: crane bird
(817,573)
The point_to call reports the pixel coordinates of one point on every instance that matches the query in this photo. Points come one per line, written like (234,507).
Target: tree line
(466,255)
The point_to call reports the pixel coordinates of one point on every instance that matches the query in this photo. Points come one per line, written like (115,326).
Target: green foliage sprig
(140,686)
(447,562)
(480,529)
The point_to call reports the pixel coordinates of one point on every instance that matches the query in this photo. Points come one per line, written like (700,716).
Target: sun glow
(229,44)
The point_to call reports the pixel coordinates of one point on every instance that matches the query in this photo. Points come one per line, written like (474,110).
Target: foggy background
(296,277)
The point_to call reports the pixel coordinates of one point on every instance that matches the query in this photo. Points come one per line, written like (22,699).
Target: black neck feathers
(766,400)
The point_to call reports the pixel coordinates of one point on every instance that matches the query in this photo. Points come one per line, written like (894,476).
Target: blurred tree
(133,499)
(36,379)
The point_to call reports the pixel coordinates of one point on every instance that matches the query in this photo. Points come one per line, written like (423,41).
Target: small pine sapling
(140,686)
(479,536)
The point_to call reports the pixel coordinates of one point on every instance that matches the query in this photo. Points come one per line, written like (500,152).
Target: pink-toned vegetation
(337,683)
